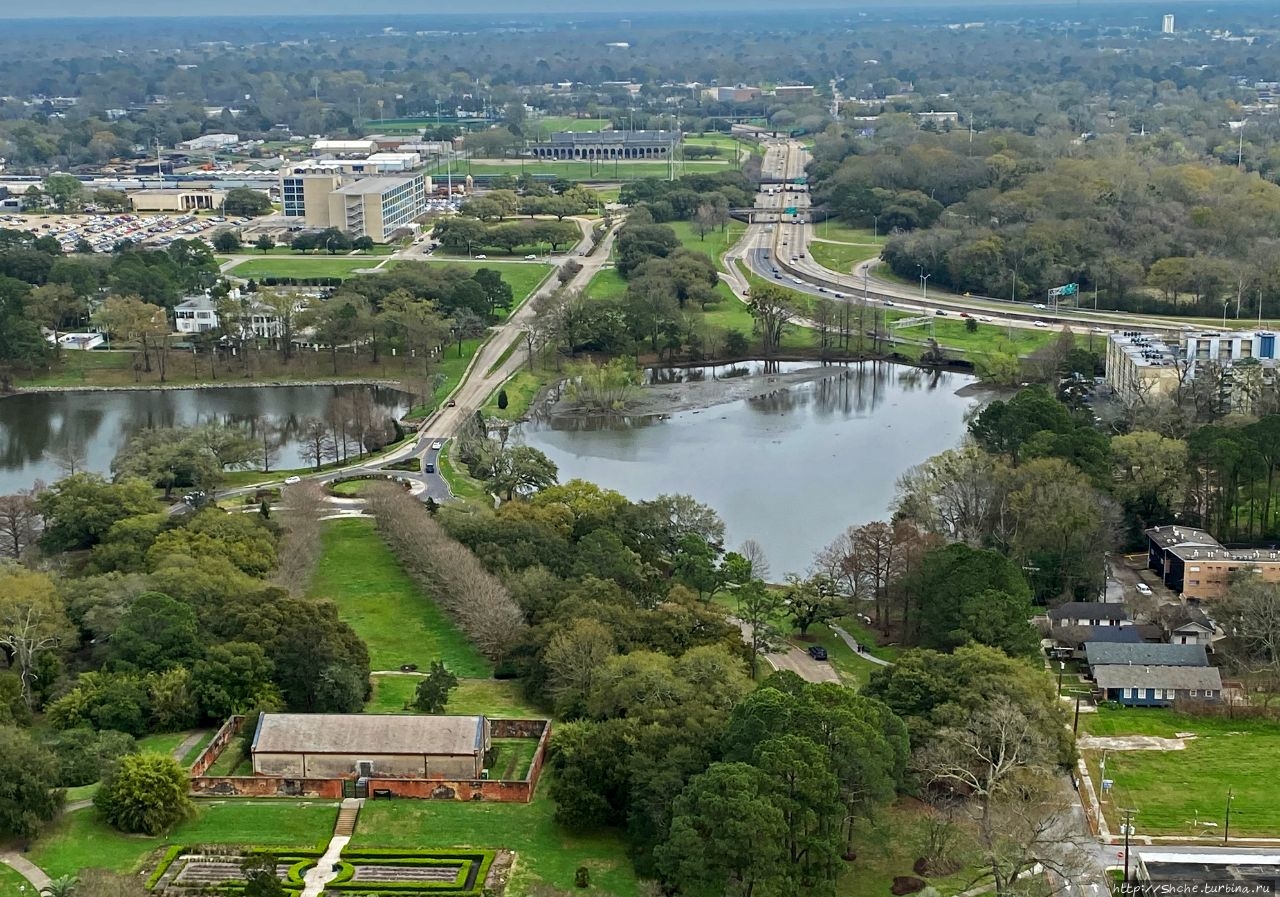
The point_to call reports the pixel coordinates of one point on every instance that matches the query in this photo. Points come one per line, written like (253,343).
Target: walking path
(856,648)
(323,872)
(27,869)
(187,744)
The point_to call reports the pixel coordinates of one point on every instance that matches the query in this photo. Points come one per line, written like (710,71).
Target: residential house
(1089,613)
(1135,685)
(1145,654)
(197,314)
(1187,625)
(368,745)
(1070,641)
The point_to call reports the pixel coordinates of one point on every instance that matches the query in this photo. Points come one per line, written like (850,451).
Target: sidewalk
(856,648)
(27,869)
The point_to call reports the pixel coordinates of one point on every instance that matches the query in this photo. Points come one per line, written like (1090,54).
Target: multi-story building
(306,196)
(1197,566)
(378,207)
(1141,366)
(377,163)
(199,314)
(608,145)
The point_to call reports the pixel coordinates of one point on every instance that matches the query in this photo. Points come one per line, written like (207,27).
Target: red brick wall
(221,739)
(265,786)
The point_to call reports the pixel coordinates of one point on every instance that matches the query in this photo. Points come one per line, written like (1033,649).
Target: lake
(791,469)
(33,424)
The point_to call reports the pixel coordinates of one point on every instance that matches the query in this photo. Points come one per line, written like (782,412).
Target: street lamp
(924,283)
(1062,668)
(875,227)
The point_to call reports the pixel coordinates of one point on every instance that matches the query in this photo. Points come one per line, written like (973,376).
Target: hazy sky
(104,8)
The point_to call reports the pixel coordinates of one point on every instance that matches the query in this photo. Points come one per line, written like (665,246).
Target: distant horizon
(55,10)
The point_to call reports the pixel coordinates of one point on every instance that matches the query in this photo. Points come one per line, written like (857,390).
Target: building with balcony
(608,145)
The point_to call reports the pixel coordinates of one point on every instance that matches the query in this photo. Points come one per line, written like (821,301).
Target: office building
(306,196)
(175,200)
(1166,27)
(1141,366)
(378,207)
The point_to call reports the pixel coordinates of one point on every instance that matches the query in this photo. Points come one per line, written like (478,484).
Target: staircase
(347,814)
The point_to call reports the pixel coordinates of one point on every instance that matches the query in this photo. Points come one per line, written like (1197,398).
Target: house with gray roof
(368,745)
(1134,685)
(1145,654)
(1090,613)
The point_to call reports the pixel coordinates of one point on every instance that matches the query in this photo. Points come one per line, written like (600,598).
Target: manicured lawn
(1177,792)
(864,636)
(12,884)
(79,840)
(231,759)
(452,366)
(385,607)
(512,757)
(951,331)
(460,481)
(302,266)
(521,389)
(567,123)
(841,257)
(585,171)
(524,277)
(488,697)
(547,853)
(715,243)
(352,488)
(831,229)
(163,743)
(606,284)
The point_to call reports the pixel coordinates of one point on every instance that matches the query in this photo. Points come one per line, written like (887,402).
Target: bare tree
(69,458)
(753,551)
(475,598)
(20,521)
(267,440)
(317,445)
(300,545)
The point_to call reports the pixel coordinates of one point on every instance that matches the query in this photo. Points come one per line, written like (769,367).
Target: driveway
(794,659)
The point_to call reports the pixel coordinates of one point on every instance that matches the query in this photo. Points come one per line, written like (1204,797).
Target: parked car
(817,652)
(482,256)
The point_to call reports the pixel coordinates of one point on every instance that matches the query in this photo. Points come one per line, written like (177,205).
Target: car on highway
(822,289)
(1144,588)
(292,481)
(964,314)
(450,404)
(817,652)
(888,302)
(437,445)
(984,319)
(1040,324)
(838,294)
(1039,305)
(941,312)
(482,256)
(530,257)
(796,280)
(428,468)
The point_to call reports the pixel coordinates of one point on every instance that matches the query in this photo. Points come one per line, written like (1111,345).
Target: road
(793,659)
(782,242)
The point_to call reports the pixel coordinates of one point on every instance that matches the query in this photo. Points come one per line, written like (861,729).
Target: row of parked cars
(103,231)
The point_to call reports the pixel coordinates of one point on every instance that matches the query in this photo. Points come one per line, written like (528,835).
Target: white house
(199,314)
(195,315)
(1090,613)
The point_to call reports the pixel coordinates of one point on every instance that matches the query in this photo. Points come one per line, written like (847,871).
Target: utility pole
(1127,828)
(1226,829)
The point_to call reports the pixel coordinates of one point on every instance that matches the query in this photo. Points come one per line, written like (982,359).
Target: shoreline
(171,387)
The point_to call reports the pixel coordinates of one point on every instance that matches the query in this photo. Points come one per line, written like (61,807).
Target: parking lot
(103,231)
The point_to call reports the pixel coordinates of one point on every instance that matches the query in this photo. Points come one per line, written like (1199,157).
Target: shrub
(145,794)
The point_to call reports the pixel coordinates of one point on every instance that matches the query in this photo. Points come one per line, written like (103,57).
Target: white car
(1041,324)
(482,256)
(1144,588)
(528,258)
(292,481)
(984,320)
(1038,305)
(437,445)
(796,280)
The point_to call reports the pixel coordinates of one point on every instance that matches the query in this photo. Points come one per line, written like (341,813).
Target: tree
(574,658)
(260,878)
(758,607)
(166,457)
(317,444)
(32,622)
(66,191)
(810,601)
(432,693)
(226,242)
(145,794)
(956,588)
(79,509)
(19,521)
(726,836)
(772,309)
(131,320)
(265,243)
(155,633)
(233,678)
(245,202)
(520,470)
(30,798)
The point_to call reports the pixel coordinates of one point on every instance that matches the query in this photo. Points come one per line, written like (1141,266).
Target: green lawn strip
(868,639)
(841,257)
(889,848)
(163,743)
(82,792)
(547,853)
(461,483)
(1176,792)
(607,283)
(585,170)
(503,358)
(485,697)
(12,884)
(831,229)
(232,757)
(79,840)
(522,388)
(854,671)
(301,266)
(512,757)
(236,478)
(452,366)
(715,243)
(385,607)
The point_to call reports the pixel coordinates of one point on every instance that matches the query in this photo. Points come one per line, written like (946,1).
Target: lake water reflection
(33,424)
(791,469)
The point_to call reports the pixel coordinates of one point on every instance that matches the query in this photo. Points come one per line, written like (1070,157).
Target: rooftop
(1209,863)
(1089,610)
(1137,676)
(346,733)
(1145,349)
(626,137)
(1191,544)
(1145,654)
(365,186)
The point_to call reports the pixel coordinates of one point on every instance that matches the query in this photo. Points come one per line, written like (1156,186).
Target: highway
(776,246)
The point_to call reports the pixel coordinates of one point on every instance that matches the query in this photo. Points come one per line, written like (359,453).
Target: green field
(715,243)
(841,257)
(488,697)
(12,884)
(302,266)
(385,607)
(164,743)
(950,331)
(78,840)
(839,232)
(521,389)
(1177,792)
(551,123)
(512,757)
(586,171)
(547,853)
(606,284)
(460,482)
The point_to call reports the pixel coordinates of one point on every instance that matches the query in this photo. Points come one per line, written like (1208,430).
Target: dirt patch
(1132,743)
